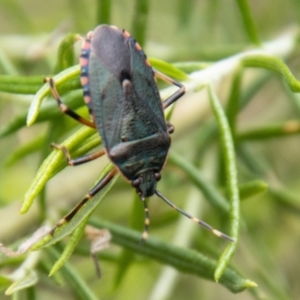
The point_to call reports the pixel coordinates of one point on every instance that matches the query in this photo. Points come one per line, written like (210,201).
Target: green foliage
(227,155)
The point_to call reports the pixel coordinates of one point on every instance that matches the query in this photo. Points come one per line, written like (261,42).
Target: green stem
(183,259)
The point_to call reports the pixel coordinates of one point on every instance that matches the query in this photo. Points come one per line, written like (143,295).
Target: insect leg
(64,108)
(99,186)
(202,223)
(79,160)
(179,93)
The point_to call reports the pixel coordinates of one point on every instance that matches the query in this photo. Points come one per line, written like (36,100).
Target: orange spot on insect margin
(84,80)
(147,62)
(126,33)
(114,27)
(87,99)
(137,46)
(90,35)
(83,61)
(85,44)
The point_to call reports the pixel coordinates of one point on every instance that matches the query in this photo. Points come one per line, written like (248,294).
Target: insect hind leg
(99,186)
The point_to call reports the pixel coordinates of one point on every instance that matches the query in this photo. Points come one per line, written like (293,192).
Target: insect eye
(157,176)
(136,182)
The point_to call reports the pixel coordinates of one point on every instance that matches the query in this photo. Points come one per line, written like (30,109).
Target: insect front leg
(64,108)
(97,188)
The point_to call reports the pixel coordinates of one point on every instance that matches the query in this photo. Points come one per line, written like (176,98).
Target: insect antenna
(198,221)
(147,220)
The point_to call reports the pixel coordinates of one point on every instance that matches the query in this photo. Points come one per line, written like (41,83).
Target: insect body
(127,108)
(120,91)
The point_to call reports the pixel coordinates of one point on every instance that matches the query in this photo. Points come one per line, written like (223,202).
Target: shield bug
(119,88)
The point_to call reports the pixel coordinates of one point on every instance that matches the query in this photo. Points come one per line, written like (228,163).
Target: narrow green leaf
(274,64)
(210,193)
(293,97)
(4,281)
(183,259)
(231,181)
(190,66)
(6,64)
(15,124)
(52,164)
(45,90)
(31,293)
(255,164)
(40,243)
(73,278)
(252,188)
(126,258)
(288,198)
(232,110)
(20,84)
(256,85)
(168,69)
(48,111)
(184,9)
(103,11)
(271,131)
(30,279)
(296,10)
(248,22)
(24,150)
(65,53)
(233,102)
(139,25)
(69,248)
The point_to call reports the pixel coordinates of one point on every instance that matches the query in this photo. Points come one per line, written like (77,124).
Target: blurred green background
(176,31)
